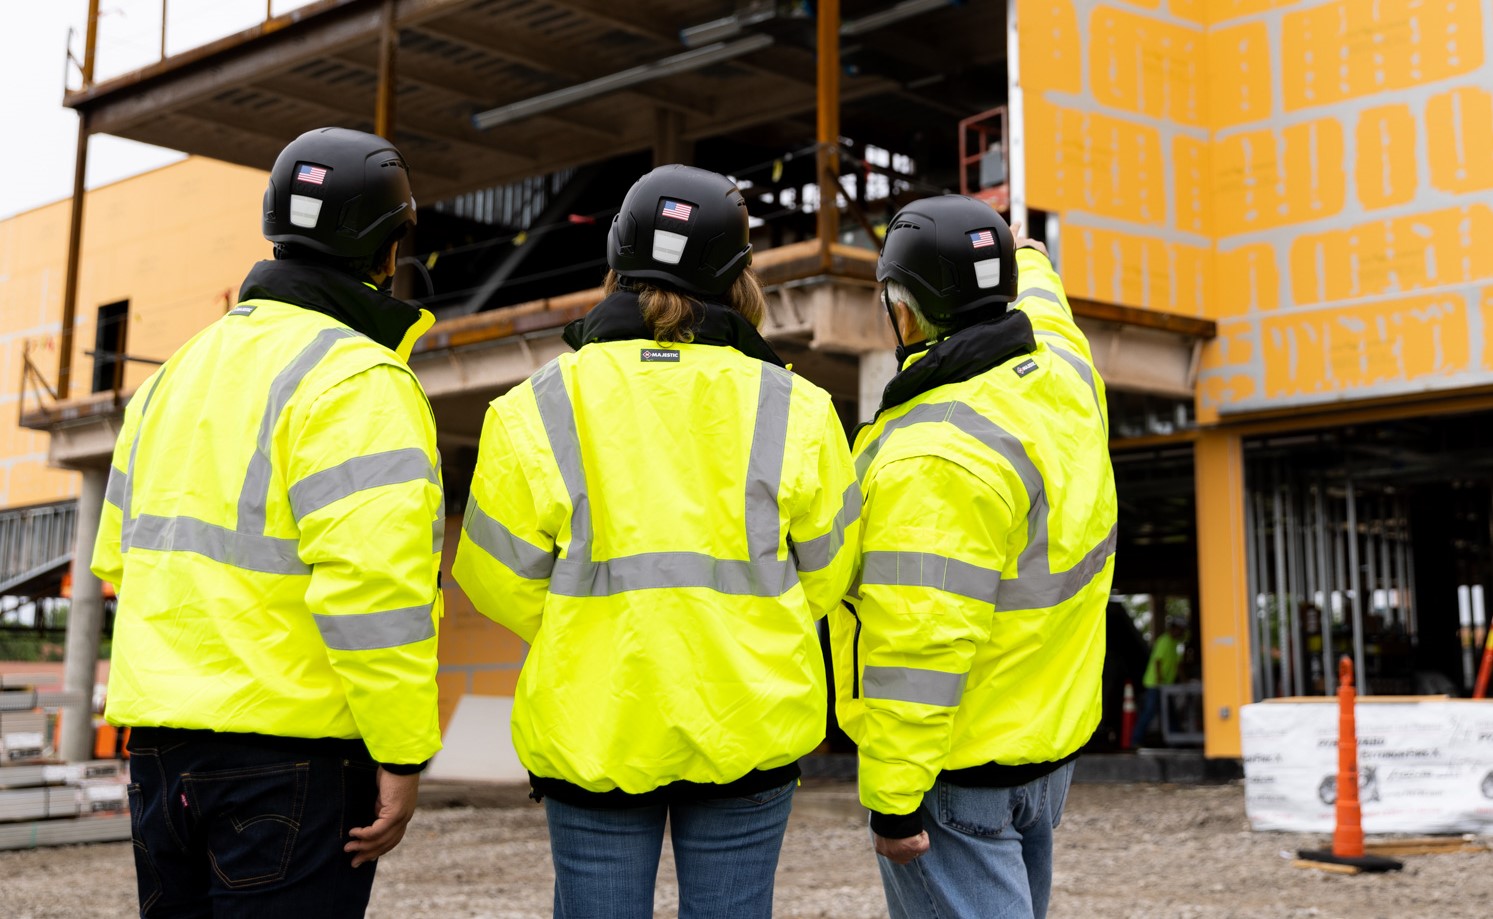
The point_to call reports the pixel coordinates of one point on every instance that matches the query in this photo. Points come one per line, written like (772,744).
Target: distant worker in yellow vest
(272,522)
(1161,670)
(968,663)
(663,516)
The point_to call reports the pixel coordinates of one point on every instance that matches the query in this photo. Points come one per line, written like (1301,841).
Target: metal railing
(31,538)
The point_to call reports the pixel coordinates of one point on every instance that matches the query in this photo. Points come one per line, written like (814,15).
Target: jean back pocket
(248,819)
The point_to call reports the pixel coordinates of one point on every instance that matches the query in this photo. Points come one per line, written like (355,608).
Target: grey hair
(897,292)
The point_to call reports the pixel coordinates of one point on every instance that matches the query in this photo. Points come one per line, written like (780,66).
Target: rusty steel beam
(827,157)
(388,52)
(75,216)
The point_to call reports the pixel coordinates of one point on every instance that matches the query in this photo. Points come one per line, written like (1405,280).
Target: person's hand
(1018,231)
(395,807)
(902,851)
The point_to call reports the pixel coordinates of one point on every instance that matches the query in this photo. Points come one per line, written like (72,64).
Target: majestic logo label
(660,355)
(1025,367)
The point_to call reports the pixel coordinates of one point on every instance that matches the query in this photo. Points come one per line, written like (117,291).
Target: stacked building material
(44,801)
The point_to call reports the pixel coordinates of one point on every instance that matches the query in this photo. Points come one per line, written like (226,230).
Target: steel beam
(388,62)
(238,60)
(75,217)
(827,157)
(461,90)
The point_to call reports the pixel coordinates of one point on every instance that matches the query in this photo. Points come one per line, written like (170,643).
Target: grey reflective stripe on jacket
(1037,586)
(913,684)
(1058,345)
(247,546)
(578,574)
(522,558)
(360,473)
(816,553)
(372,631)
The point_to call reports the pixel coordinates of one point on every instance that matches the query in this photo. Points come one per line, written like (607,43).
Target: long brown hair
(671,314)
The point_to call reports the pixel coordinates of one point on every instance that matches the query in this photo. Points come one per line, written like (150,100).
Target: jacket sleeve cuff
(404,768)
(897,826)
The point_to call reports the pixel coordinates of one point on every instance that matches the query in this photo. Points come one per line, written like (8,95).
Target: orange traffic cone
(1127,716)
(1347,836)
(1480,691)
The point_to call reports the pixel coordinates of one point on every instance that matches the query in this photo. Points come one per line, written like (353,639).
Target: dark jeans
(239,826)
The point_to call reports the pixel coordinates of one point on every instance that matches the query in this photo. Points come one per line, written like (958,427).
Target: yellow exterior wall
(175,242)
(1317,172)
(1314,175)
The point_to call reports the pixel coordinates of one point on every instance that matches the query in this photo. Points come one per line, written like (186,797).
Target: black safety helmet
(683,226)
(339,192)
(955,254)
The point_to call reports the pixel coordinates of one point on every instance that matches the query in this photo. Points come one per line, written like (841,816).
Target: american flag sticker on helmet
(311,174)
(677,209)
(979,239)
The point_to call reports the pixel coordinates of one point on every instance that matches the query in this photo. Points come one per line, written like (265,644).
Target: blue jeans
(989,852)
(234,827)
(725,852)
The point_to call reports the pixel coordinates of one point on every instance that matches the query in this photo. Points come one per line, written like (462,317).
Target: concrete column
(876,370)
(85,621)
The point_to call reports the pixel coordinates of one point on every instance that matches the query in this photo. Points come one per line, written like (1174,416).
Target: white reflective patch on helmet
(304,210)
(668,247)
(988,273)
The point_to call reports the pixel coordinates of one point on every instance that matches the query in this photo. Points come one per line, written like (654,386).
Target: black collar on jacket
(962,356)
(619,317)
(324,289)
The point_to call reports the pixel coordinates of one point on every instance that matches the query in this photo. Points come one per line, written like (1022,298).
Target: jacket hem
(673,793)
(349,748)
(996,775)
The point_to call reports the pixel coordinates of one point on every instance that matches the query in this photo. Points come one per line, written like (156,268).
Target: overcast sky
(38,135)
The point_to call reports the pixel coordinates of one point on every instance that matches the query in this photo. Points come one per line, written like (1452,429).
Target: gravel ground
(1152,851)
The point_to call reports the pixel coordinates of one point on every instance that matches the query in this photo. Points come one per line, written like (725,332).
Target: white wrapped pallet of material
(19,700)
(62,773)
(110,828)
(1425,764)
(27,737)
(52,802)
(49,803)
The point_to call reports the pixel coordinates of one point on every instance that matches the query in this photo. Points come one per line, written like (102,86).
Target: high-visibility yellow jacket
(664,525)
(987,550)
(272,522)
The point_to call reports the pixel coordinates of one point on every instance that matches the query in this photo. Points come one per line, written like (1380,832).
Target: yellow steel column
(1222,588)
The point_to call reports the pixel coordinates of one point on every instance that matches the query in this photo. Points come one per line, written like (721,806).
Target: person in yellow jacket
(664,515)
(271,523)
(968,660)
